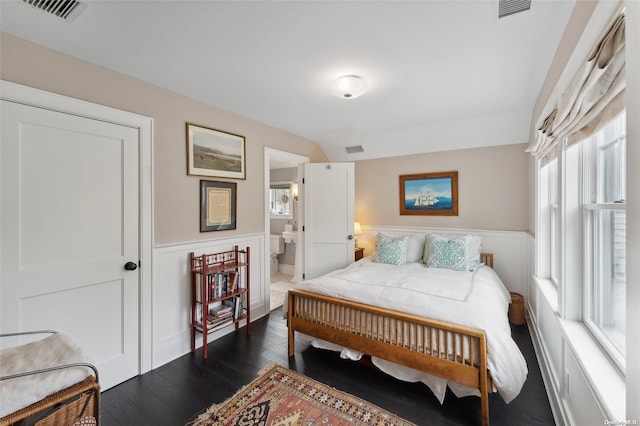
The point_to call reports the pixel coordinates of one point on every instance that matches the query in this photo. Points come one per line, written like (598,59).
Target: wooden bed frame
(395,337)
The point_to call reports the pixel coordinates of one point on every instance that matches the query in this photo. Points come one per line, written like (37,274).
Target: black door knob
(131,266)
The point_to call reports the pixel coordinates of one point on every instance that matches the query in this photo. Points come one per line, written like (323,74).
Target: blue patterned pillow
(458,253)
(415,245)
(393,252)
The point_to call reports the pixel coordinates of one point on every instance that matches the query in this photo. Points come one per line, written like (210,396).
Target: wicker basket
(516,309)
(78,404)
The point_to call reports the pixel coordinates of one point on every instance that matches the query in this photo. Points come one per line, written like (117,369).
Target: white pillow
(415,246)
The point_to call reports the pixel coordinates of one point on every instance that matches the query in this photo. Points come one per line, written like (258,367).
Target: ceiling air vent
(509,7)
(354,149)
(67,10)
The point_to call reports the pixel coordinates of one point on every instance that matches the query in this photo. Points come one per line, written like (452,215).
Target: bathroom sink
(290,236)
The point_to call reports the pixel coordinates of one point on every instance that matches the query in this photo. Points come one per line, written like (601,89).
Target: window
(604,212)
(280,200)
(582,229)
(554,217)
(549,223)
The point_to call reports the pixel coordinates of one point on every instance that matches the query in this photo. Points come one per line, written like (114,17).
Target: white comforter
(475,299)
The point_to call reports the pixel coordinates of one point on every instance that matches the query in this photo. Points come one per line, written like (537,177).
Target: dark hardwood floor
(176,392)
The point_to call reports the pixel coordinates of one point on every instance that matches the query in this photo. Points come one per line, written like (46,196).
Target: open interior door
(328,217)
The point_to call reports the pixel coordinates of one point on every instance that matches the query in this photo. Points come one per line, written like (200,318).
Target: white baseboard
(553,394)
(286,269)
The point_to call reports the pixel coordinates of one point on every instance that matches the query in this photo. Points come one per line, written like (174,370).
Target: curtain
(594,95)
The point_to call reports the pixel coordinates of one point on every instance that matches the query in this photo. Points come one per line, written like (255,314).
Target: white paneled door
(69,222)
(328,217)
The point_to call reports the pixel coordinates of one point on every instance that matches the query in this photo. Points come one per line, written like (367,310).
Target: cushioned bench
(48,381)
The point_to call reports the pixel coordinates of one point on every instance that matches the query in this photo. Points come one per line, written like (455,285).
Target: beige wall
(176,195)
(492,188)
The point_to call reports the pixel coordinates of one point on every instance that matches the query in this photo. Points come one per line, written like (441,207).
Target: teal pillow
(415,245)
(393,252)
(457,253)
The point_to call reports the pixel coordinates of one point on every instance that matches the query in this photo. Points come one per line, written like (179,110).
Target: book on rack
(240,305)
(221,311)
(214,321)
(233,281)
(218,324)
(220,284)
(198,284)
(209,287)
(215,285)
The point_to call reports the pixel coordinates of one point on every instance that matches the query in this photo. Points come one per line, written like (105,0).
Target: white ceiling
(443,74)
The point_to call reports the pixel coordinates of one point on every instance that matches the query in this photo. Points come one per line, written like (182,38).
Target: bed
(418,321)
(48,382)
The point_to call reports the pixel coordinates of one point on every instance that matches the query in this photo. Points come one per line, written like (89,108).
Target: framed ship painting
(429,194)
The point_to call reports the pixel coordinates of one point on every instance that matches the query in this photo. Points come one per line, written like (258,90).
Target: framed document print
(217,206)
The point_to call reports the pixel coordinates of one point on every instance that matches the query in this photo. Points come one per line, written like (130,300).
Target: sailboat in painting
(425,200)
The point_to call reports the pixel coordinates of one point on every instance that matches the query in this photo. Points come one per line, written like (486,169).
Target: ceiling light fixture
(348,86)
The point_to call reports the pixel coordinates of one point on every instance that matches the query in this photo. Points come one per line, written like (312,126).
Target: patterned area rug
(281,397)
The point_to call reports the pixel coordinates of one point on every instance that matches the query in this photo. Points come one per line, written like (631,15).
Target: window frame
(554,220)
(594,205)
(566,256)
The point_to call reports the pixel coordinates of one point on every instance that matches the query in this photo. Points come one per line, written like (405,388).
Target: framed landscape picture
(429,194)
(215,153)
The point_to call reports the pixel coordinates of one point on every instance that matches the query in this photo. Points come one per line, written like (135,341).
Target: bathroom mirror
(281,200)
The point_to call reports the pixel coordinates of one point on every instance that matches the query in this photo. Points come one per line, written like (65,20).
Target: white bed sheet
(476,299)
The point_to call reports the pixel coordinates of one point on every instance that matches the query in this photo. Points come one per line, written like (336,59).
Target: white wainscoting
(582,385)
(509,248)
(172,292)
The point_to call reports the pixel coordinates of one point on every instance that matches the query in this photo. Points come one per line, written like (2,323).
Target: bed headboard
(487,259)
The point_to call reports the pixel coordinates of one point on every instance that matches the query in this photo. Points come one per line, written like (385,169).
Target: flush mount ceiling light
(348,86)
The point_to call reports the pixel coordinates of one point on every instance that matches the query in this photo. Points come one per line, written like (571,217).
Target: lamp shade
(348,86)
(356,228)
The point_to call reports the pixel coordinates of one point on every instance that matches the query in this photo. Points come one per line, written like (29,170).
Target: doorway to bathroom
(282,215)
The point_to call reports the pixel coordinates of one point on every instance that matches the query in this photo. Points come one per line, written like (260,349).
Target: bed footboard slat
(445,350)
